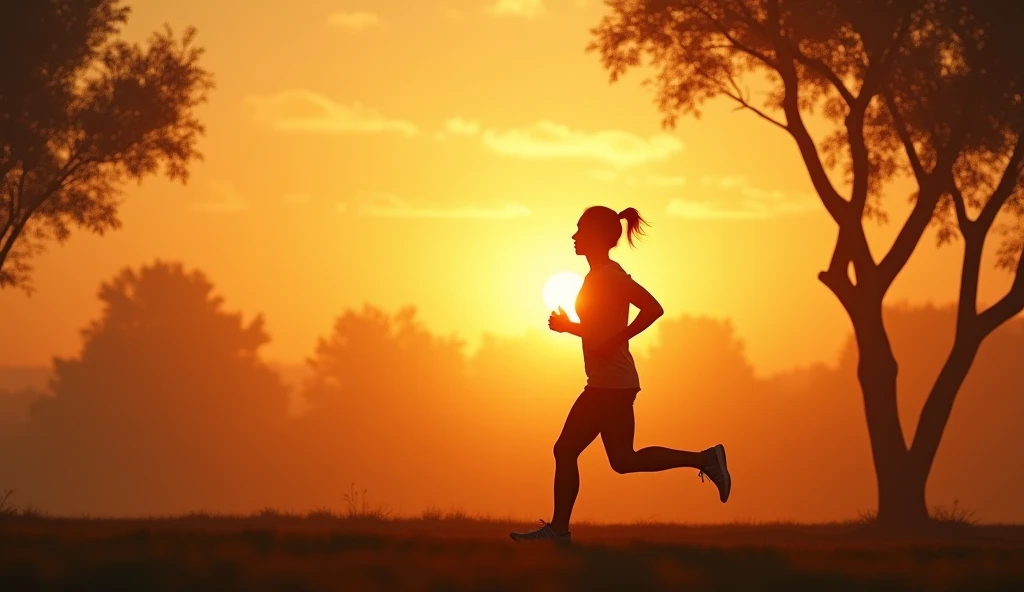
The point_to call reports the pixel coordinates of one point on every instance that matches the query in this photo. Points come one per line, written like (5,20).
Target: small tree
(927,88)
(81,112)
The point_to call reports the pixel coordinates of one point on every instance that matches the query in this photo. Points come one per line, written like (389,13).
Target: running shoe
(544,533)
(717,471)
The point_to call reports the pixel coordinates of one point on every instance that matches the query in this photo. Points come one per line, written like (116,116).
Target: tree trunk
(901,494)
(901,502)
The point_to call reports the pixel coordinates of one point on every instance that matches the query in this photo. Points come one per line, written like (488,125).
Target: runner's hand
(559,321)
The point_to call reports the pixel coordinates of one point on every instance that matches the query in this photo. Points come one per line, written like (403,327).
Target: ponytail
(634,224)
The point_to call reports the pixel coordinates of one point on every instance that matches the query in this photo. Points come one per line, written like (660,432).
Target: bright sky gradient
(438,153)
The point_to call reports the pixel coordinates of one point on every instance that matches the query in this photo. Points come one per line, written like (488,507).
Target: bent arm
(650,311)
(644,319)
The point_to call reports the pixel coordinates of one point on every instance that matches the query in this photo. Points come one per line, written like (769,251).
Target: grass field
(322,552)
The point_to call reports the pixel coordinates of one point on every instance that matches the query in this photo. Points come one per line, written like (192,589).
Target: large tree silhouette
(81,112)
(168,407)
(927,88)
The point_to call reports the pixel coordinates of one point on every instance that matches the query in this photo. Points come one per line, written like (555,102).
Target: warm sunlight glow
(351,295)
(561,290)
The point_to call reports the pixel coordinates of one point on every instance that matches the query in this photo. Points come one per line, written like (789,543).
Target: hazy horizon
(210,432)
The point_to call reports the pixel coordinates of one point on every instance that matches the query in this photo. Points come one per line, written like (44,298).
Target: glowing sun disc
(560,290)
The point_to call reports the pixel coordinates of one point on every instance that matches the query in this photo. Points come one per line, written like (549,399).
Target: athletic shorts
(596,401)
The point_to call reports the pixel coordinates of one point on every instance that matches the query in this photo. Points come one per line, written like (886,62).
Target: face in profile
(590,238)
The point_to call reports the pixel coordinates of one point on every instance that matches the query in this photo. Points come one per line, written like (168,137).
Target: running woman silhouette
(605,406)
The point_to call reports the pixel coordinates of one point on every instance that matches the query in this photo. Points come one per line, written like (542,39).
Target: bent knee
(564,450)
(623,463)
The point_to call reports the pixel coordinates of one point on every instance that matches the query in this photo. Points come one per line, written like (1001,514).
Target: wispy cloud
(718,210)
(732,198)
(525,8)
(391,206)
(462,127)
(740,185)
(457,126)
(224,199)
(353,21)
(307,111)
(548,140)
(521,8)
(610,176)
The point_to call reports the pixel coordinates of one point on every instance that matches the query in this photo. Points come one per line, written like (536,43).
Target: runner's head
(600,229)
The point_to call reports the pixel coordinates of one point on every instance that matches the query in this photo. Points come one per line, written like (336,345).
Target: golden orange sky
(438,153)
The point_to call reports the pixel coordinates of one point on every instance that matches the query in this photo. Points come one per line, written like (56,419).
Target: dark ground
(272,552)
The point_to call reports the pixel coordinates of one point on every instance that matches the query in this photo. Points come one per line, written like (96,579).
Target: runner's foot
(544,533)
(717,471)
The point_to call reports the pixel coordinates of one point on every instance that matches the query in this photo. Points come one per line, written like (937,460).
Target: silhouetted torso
(603,308)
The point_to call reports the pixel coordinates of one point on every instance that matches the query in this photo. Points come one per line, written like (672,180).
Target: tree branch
(960,205)
(967,340)
(859,160)
(745,105)
(877,71)
(930,190)
(15,233)
(908,142)
(937,408)
(875,74)
(12,203)
(724,31)
(818,66)
(841,287)
(17,197)
(8,224)
(837,277)
(813,64)
(834,203)
(1008,306)
(910,234)
(1002,192)
(970,273)
(12,210)
(70,167)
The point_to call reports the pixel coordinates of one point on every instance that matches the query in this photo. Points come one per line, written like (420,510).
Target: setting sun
(560,290)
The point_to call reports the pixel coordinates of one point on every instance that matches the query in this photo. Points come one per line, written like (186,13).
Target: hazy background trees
(170,407)
(167,407)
